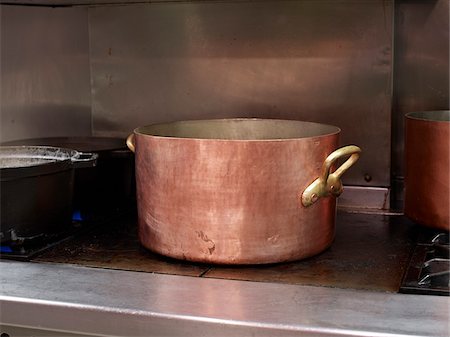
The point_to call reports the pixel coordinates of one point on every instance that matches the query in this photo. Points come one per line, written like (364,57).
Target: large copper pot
(427,172)
(238,191)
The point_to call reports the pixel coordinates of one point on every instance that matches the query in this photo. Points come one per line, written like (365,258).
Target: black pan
(109,185)
(36,189)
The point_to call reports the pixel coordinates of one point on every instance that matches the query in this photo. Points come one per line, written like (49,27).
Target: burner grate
(429,269)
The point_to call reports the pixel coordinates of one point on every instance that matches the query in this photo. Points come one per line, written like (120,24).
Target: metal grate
(429,269)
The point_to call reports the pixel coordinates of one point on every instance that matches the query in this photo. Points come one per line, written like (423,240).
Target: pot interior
(432,116)
(239,129)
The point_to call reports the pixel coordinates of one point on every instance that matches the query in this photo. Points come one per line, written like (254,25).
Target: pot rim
(54,159)
(332,130)
(434,116)
(100,145)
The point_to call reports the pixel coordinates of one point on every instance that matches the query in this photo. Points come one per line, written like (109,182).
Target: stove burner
(429,269)
(5,249)
(24,248)
(76,216)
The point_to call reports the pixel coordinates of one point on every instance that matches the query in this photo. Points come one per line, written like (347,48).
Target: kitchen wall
(106,69)
(325,61)
(45,74)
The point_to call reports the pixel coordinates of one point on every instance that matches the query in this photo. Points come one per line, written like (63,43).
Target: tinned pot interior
(239,129)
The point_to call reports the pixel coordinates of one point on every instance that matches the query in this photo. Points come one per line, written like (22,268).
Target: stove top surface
(370,252)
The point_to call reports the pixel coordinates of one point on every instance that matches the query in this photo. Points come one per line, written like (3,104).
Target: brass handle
(130,142)
(330,183)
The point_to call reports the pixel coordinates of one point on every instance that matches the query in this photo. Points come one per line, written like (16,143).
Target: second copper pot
(427,176)
(238,191)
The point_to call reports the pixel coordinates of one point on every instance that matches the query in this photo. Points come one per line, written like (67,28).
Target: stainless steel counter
(58,299)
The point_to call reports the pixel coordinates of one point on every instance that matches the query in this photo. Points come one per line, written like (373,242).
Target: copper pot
(238,191)
(427,187)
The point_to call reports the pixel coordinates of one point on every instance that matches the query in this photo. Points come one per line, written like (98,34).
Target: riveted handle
(130,142)
(330,183)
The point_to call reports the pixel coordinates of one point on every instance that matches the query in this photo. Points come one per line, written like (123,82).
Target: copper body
(235,199)
(427,187)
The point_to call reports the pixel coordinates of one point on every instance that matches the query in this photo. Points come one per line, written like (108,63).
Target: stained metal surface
(323,61)
(369,252)
(118,303)
(45,76)
(421,70)
(116,246)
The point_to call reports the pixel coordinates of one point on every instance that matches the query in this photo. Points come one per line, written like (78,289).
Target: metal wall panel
(326,61)
(45,75)
(421,69)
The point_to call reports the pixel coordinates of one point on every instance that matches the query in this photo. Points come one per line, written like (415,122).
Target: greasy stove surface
(370,251)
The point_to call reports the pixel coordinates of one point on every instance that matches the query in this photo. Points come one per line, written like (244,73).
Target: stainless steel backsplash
(106,69)
(45,77)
